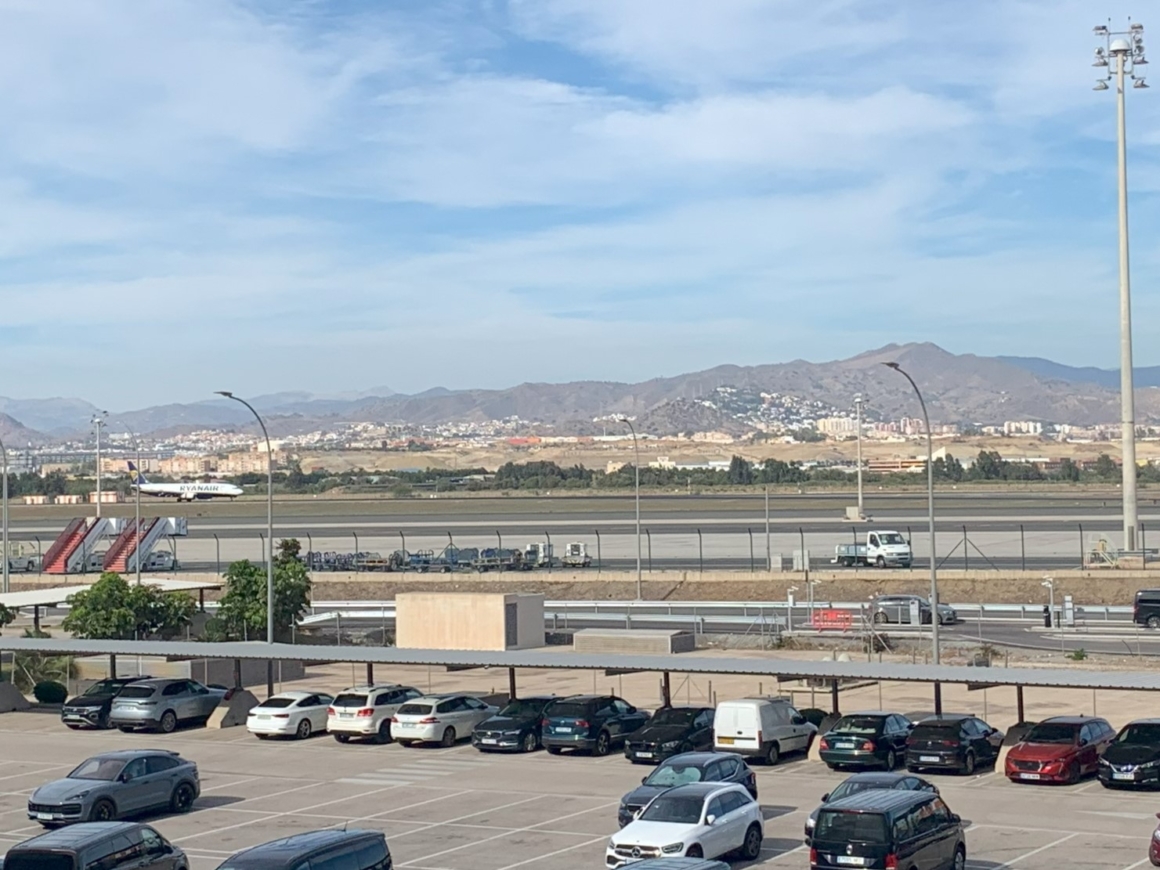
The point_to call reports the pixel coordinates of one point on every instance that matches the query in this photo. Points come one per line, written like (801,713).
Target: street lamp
(99,421)
(4,510)
(934,615)
(137,506)
(1121,53)
(636,473)
(269,534)
(1049,584)
(858,409)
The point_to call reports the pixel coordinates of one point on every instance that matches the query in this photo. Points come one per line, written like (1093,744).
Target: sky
(327,195)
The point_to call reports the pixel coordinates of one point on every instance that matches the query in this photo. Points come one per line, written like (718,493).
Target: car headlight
(810,822)
(611,845)
(80,795)
(672,744)
(1153,763)
(673,848)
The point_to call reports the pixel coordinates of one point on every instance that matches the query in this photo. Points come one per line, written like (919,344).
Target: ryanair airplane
(183,491)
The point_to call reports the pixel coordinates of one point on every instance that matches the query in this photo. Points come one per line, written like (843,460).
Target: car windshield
(853,786)
(137,692)
(567,710)
(278,703)
(517,709)
(867,725)
(38,861)
(414,709)
(669,774)
(674,716)
(1049,732)
(1141,733)
(891,538)
(842,827)
(348,699)
(936,731)
(104,687)
(99,768)
(680,810)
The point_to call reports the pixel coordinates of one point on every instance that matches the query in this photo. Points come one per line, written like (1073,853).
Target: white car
(441,719)
(289,714)
(366,711)
(698,820)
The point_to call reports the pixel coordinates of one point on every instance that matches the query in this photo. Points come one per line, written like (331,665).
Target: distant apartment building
(187,466)
(1022,427)
(837,426)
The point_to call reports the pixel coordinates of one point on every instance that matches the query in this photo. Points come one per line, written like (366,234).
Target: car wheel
(168,722)
(880,618)
(881,563)
(751,848)
(969,764)
(1153,622)
(304,729)
(529,743)
(891,760)
(772,755)
(182,799)
(384,732)
(448,738)
(342,738)
(960,862)
(603,743)
(103,811)
(554,750)
(694,851)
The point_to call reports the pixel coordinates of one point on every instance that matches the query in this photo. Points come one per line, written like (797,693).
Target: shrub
(50,692)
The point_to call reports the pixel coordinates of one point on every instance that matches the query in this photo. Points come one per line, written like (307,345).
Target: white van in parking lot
(763,728)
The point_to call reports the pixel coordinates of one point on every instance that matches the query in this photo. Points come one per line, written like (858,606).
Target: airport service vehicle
(869,739)
(97,846)
(699,820)
(290,714)
(91,708)
(865,782)
(913,830)
(596,723)
(182,491)
(1146,608)
(883,548)
(1059,749)
(365,711)
(576,555)
(682,770)
(900,609)
(22,557)
(671,731)
(952,742)
(515,728)
(441,719)
(106,787)
(330,849)
(159,705)
(1133,756)
(764,728)
(538,555)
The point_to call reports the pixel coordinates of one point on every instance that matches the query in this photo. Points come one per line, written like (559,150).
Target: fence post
(700,552)
(648,537)
(217,546)
(40,561)
(752,564)
(599,560)
(966,556)
(356,558)
(262,538)
(549,553)
(1081,546)
(1022,549)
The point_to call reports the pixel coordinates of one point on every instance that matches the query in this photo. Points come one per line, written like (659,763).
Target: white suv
(366,711)
(441,719)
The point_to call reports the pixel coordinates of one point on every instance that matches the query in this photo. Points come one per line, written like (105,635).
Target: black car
(515,728)
(952,742)
(91,708)
(340,850)
(671,731)
(107,845)
(889,829)
(1133,756)
(870,739)
(1146,608)
(683,769)
(590,722)
(865,782)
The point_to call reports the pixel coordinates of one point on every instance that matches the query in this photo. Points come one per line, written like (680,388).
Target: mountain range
(956,387)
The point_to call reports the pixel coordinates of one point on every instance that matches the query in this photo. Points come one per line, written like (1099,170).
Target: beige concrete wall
(466,620)
(529,620)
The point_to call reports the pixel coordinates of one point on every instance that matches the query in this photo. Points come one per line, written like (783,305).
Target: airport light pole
(137,506)
(99,422)
(636,472)
(4,510)
(858,410)
(934,615)
(1124,50)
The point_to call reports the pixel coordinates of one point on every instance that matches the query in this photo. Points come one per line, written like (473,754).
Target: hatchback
(1060,749)
(866,740)
(441,719)
(595,723)
(952,742)
(365,711)
(1133,756)
(160,705)
(684,769)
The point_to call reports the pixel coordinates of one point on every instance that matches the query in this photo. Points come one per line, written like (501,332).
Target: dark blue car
(683,769)
(592,723)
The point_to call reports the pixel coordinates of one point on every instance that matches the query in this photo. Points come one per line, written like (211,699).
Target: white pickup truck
(883,548)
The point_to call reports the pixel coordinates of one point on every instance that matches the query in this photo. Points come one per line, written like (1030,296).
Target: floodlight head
(1140,83)
(1100,30)
(1100,85)
(225,393)
(893,365)
(1137,28)
(1120,46)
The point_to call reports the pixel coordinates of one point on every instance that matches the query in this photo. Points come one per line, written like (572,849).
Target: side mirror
(825,797)
(1083,741)
(643,780)
(798,719)
(709,820)
(956,818)
(167,849)
(124,776)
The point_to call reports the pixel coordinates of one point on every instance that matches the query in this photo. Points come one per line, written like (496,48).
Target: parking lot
(455,809)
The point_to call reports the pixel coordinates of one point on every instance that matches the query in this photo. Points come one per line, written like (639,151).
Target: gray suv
(118,784)
(160,705)
(97,846)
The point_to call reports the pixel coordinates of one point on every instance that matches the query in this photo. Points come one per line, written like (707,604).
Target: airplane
(183,491)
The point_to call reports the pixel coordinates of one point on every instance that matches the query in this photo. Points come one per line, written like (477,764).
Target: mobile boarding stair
(69,553)
(130,545)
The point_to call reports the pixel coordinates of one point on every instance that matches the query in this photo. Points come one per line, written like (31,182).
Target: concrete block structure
(468,620)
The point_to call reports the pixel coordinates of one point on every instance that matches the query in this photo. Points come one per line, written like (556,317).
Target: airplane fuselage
(191,491)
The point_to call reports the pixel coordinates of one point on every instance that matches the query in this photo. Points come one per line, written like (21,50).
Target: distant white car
(289,714)
(441,719)
(365,711)
(698,820)
(161,560)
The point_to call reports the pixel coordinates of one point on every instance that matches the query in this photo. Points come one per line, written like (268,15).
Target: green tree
(989,465)
(948,469)
(242,610)
(740,471)
(30,668)
(113,609)
(6,616)
(1068,470)
(1105,467)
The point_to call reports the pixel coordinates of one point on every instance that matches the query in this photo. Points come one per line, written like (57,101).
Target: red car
(1060,749)
(1154,846)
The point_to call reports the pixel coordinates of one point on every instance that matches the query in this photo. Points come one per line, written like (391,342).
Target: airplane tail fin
(138,477)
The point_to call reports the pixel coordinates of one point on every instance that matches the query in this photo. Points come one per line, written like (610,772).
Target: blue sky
(259,196)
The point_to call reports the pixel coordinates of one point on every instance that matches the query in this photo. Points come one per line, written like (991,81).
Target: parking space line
(34,772)
(1139,863)
(557,852)
(1034,852)
(792,851)
(1104,834)
(230,784)
(431,825)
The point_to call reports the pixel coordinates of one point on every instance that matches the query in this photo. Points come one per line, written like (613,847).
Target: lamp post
(934,615)
(636,473)
(1122,51)
(269,533)
(4,510)
(1049,584)
(99,422)
(137,507)
(858,410)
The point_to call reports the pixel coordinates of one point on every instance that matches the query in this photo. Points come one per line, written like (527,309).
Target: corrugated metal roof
(554,657)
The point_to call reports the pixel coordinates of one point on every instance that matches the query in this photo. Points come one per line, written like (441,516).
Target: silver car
(896,608)
(160,705)
(115,785)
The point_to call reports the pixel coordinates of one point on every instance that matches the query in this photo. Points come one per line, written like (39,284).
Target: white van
(762,728)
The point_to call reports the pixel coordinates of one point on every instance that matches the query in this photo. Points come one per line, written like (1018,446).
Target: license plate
(489,741)
(345,715)
(47,817)
(1128,776)
(843,745)
(560,729)
(850,860)
(933,758)
(644,755)
(725,741)
(262,718)
(1029,776)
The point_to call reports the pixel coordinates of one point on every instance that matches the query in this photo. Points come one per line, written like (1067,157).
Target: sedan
(515,728)
(671,731)
(700,820)
(683,769)
(290,714)
(91,709)
(1061,749)
(866,782)
(866,740)
(117,784)
(960,743)
(441,719)
(1133,756)
(160,705)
